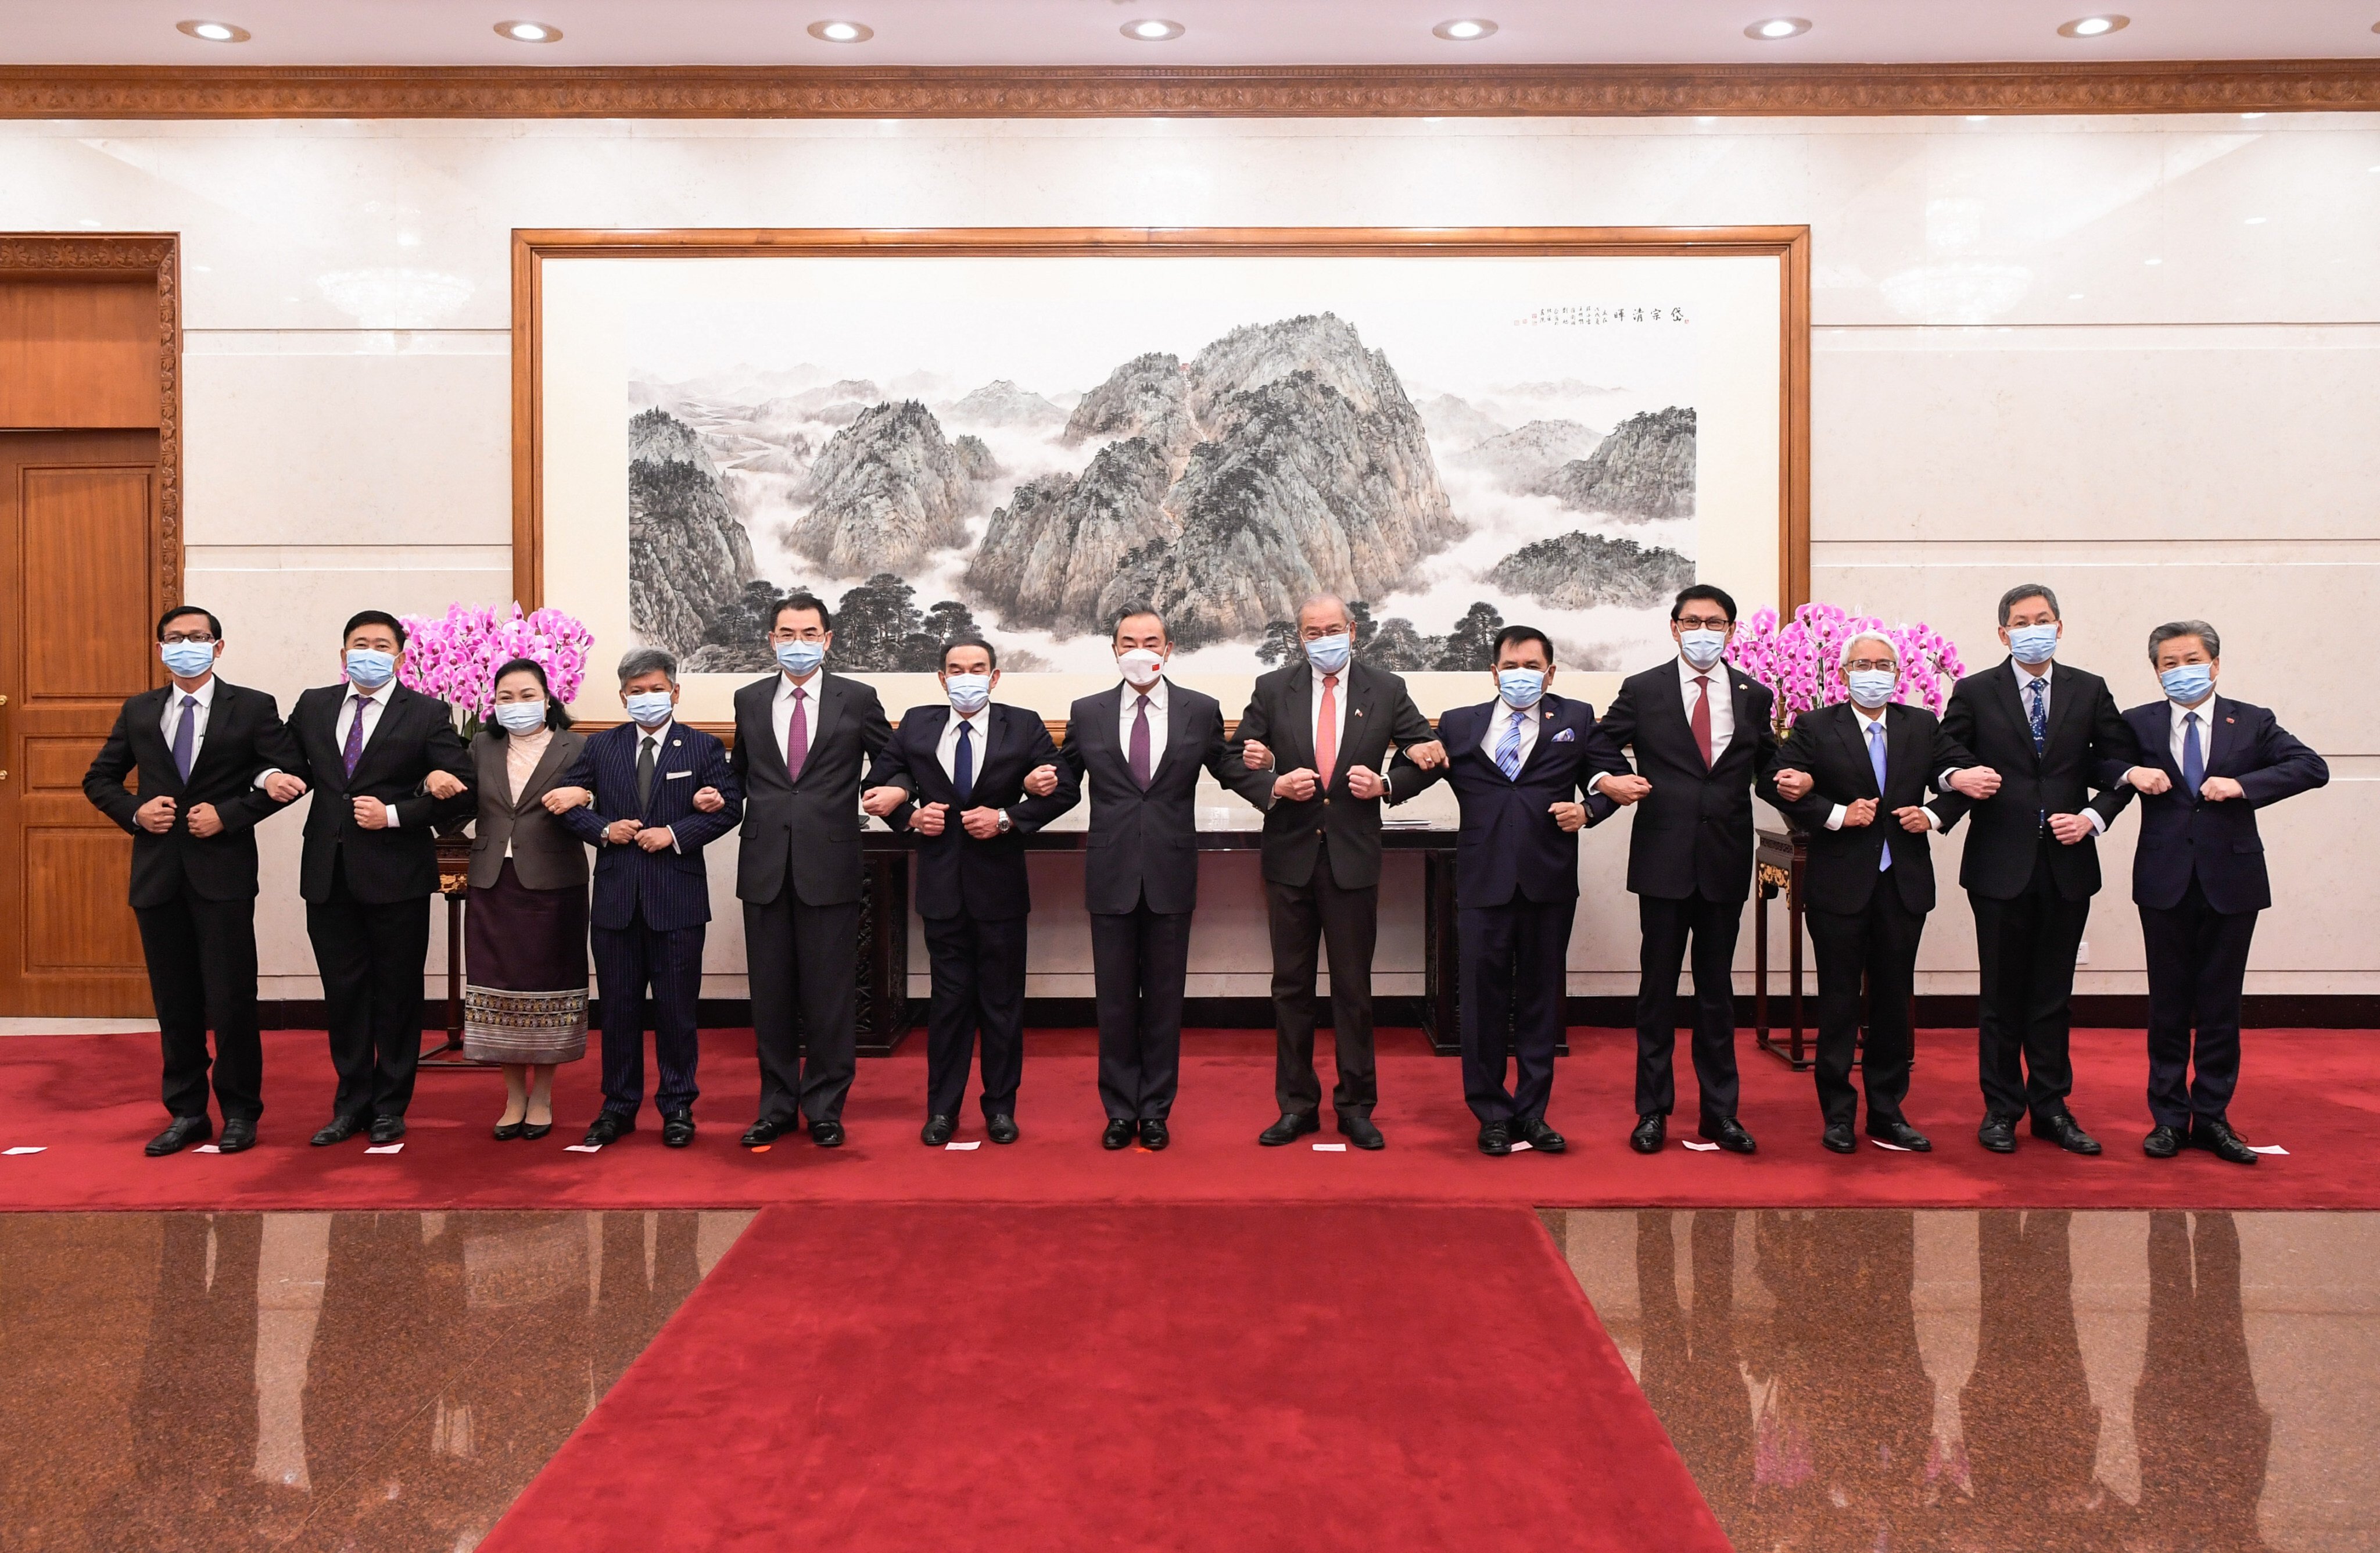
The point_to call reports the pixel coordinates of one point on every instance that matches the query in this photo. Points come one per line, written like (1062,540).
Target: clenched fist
(1859,811)
(983,824)
(1041,781)
(282,788)
(1364,782)
(562,800)
(1624,790)
(1976,781)
(1256,756)
(881,801)
(1298,784)
(372,814)
(927,818)
(2069,829)
(2216,789)
(1794,785)
(441,785)
(621,832)
(204,821)
(2148,780)
(1913,819)
(1569,816)
(156,816)
(708,800)
(656,839)
(1427,754)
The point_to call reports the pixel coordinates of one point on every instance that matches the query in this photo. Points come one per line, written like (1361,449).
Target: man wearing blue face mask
(2208,764)
(366,747)
(2046,734)
(971,780)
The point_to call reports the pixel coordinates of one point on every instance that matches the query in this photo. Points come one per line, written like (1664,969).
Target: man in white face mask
(1139,748)
(1869,881)
(971,778)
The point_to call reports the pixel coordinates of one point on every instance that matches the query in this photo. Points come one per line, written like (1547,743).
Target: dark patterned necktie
(355,749)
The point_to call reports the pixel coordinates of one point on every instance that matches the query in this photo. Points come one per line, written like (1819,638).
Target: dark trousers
(1668,925)
(668,961)
(1877,947)
(201,958)
(1515,970)
(1301,916)
(804,966)
(1139,960)
(978,966)
(370,956)
(2197,957)
(2024,951)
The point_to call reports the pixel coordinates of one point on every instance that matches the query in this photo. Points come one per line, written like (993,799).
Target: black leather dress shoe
(937,1131)
(764,1132)
(389,1128)
(1899,1134)
(1121,1132)
(1292,1126)
(677,1129)
(1001,1129)
(338,1129)
(2061,1127)
(1359,1131)
(609,1127)
(2216,1137)
(238,1134)
(532,1130)
(1541,1138)
(1153,1135)
(1728,1134)
(2163,1141)
(1652,1131)
(179,1134)
(1998,1134)
(1837,1138)
(505,1132)
(827,1133)
(1495,1138)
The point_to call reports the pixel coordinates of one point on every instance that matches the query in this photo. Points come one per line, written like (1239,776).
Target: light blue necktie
(962,765)
(1508,749)
(1875,759)
(2193,764)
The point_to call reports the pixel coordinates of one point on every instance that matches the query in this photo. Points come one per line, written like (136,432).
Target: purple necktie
(355,749)
(1139,755)
(797,738)
(186,737)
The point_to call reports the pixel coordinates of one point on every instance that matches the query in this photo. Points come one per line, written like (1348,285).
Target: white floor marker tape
(24,1148)
(1894,1147)
(1330,1148)
(385,1148)
(582,1148)
(1699,1148)
(2253,1148)
(962,1148)
(1522,1147)
(206,1148)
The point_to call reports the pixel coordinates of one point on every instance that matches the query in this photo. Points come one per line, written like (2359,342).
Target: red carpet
(1244,1378)
(91,1101)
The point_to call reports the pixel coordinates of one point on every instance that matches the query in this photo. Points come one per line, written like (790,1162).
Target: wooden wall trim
(1221,91)
(150,255)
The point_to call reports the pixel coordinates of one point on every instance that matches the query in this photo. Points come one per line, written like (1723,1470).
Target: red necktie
(1701,719)
(1326,729)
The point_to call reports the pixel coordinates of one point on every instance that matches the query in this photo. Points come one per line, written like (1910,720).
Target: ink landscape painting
(1025,448)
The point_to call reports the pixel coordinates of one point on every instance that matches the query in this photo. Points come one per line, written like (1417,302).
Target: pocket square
(674,776)
(1567,735)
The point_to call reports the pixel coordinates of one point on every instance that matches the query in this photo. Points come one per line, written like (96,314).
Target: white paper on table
(385,1148)
(1894,1147)
(26,1148)
(1330,1148)
(962,1148)
(582,1148)
(2253,1148)
(1522,1147)
(206,1148)
(1699,1148)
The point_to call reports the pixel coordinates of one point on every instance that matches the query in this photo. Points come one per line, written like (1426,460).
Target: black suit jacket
(1830,744)
(1281,718)
(1986,717)
(671,887)
(1692,834)
(414,737)
(1509,846)
(1147,843)
(243,732)
(958,874)
(2183,834)
(805,832)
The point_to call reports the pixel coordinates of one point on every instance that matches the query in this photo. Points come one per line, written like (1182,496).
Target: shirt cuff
(265,775)
(389,809)
(1835,820)
(1942,782)
(2098,822)
(674,845)
(1594,783)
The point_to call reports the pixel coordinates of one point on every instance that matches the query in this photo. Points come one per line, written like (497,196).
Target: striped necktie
(1508,749)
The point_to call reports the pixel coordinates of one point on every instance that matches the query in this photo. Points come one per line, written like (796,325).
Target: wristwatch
(1006,825)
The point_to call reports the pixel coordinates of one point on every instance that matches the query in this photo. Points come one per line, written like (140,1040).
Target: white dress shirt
(375,703)
(1864,720)
(2024,679)
(780,712)
(1130,710)
(1498,725)
(171,719)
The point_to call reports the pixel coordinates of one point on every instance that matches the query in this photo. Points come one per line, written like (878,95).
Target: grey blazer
(545,855)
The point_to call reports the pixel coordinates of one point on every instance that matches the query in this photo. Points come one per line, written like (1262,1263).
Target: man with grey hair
(2207,763)
(661,792)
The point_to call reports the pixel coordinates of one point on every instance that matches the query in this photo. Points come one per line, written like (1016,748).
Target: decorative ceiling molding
(1271,91)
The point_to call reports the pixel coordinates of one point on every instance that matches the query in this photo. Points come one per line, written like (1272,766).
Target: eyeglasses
(787,633)
(1863,664)
(1694,622)
(204,638)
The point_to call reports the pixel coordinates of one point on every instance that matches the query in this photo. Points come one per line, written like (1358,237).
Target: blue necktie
(962,765)
(2193,764)
(1875,759)
(186,737)
(1508,750)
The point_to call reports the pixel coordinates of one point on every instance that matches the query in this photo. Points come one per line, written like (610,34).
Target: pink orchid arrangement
(1801,660)
(454,656)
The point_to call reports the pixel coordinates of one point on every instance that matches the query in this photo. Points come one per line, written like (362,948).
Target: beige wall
(2005,387)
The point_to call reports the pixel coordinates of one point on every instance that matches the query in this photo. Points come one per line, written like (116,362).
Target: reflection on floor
(386,1382)
(2137,1381)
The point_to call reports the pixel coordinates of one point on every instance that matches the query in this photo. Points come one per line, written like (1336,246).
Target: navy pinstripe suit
(651,909)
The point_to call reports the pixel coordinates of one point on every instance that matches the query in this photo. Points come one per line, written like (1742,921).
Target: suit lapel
(827,706)
(1549,723)
(1176,731)
(1900,728)
(926,748)
(2065,706)
(1740,697)
(2011,703)
(379,736)
(219,717)
(1299,705)
(543,773)
(2220,732)
(1362,700)
(1854,741)
(764,730)
(1669,703)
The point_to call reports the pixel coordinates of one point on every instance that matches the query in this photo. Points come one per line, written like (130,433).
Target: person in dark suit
(803,736)
(2208,764)
(1139,748)
(366,747)
(201,746)
(663,792)
(1520,765)
(1702,733)
(1869,881)
(1325,724)
(2048,734)
(971,780)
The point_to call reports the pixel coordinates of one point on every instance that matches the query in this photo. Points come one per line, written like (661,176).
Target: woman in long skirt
(525,927)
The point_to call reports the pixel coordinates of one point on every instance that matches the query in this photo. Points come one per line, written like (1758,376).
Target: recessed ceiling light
(841,31)
(212,31)
(1150,30)
(1465,30)
(1778,27)
(2093,26)
(529,32)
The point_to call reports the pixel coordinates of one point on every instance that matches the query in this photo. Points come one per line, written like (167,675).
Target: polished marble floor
(374,1382)
(2137,1382)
